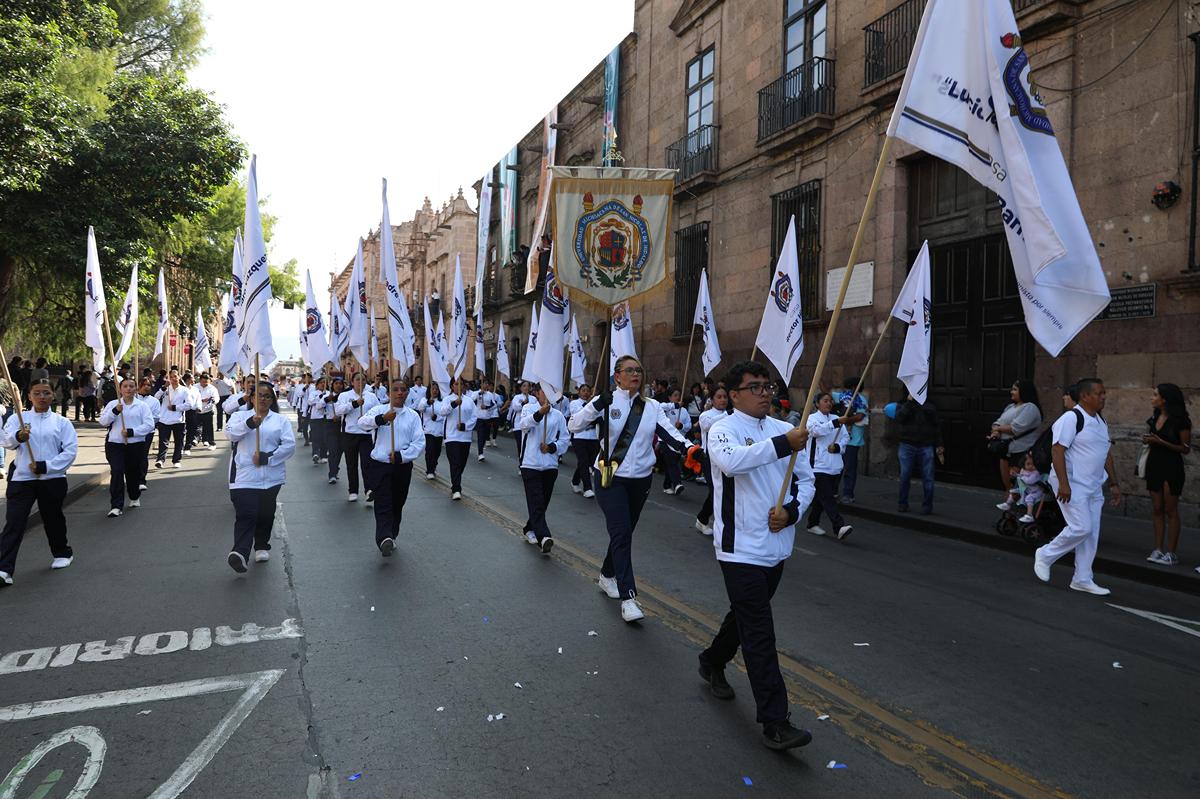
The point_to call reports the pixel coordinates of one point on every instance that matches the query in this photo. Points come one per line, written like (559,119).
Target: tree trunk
(8,274)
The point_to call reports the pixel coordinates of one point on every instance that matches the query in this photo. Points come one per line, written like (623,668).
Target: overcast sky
(333,97)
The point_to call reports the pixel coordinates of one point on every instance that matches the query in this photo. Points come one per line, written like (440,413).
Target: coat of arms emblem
(612,242)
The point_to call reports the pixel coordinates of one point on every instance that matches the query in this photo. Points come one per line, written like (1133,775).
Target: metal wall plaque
(860,292)
(1131,302)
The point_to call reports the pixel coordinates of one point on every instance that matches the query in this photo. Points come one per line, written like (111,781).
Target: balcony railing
(889,41)
(695,153)
(804,92)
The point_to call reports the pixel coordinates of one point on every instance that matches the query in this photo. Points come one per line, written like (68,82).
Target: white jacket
(206,398)
(749,461)
(409,438)
(516,406)
(180,398)
(234,403)
(487,404)
(464,414)
(318,408)
(150,402)
(276,440)
(52,438)
(345,408)
(639,459)
(706,421)
(432,422)
(591,433)
(824,430)
(136,417)
(677,414)
(553,432)
(415,395)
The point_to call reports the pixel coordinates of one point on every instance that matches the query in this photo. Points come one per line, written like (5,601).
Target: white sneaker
(1040,567)
(236,562)
(1090,588)
(844,531)
(114,512)
(1003,505)
(576,489)
(332,480)
(429,475)
(1155,556)
(386,547)
(1169,559)
(589,494)
(176,465)
(531,537)
(631,611)
(481,459)
(1027,519)
(5,578)
(158,464)
(135,503)
(547,545)
(609,586)
(457,495)
(61,563)
(817,529)
(352,498)
(703,528)
(142,487)
(212,446)
(678,489)
(261,556)
(668,490)
(324,460)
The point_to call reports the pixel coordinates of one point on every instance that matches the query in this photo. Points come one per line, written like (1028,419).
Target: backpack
(1041,449)
(108,391)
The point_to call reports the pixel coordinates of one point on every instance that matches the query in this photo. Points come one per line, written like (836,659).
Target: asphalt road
(944,669)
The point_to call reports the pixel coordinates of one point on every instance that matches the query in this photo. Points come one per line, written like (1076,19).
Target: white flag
(527,372)
(579,362)
(620,335)
(338,334)
(356,305)
(227,358)
(459,348)
(913,307)
(202,358)
(314,343)
(967,99)
(554,323)
(95,305)
(399,325)
(127,319)
(303,336)
(374,339)
(480,356)
(549,150)
(160,337)
(255,330)
(502,352)
(706,319)
(231,355)
(481,239)
(781,332)
(437,358)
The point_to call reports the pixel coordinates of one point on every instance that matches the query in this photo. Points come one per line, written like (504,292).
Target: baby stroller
(1048,521)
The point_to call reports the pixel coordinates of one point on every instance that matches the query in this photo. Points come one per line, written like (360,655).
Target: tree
(158,35)
(285,283)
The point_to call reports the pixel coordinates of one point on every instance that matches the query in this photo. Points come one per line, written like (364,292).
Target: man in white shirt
(1082,457)
(174,403)
(416,392)
(398,439)
(207,399)
(190,419)
(487,409)
(224,388)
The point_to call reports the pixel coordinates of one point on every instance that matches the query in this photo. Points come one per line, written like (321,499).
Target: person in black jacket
(920,440)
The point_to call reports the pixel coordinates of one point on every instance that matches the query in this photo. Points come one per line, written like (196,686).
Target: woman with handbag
(1168,439)
(1014,433)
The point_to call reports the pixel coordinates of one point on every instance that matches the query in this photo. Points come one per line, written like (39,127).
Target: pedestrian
(586,446)
(487,405)
(719,410)
(1014,432)
(545,437)
(827,436)
(398,440)
(632,422)
(262,443)
(678,418)
(16,373)
(21,374)
(459,412)
(1081,456)
(333,429)
(314,400)
(39,372)
(66,392)
(920,442)
(129,421)
(208,400)
(44,448)
(145,396)
(697,404)
(433,426)
(174,403)
(87,395)
(752,539)
(224,391)
(855,407)
(1167,440)
(352,404)
(243,401)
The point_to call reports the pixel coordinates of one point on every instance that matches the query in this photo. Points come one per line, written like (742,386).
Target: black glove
(455,403)
(265,457)
(603,400)
(39,467)
(242,400)
(552,448)
(356,404)
(171,408)
(117,408)
(252,423)
(128,433)
(22,436)
(462,427)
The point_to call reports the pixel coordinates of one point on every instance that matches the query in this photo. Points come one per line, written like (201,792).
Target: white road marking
(87,737)
(254,687)
(1174,622)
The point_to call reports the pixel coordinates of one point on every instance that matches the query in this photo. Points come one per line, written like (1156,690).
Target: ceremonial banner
(481,238)
(303,337)
(374,340)
(128,317)
(967,98)
(202,358)
(502,352)
(480,357)
(545,184)
(457,358)
(161,336)
(315,347)
(508,205)
(399,325)
(612,96)
(255,331)
(527,372)
(579,362)
(95,306)
(620,336)
(781,332)
(705,318)
(356,307)
(613,229)
(913,307)
(553,324)
(437,358)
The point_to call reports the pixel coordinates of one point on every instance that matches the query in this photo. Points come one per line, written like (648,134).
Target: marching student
(416,393)
(487,405)
(398,440)
(678,417)
(545,438)
(633,422)
(128,421)
(50,439)
(752,539)
(719,410)
(191,425)
(224,388)
(333,428)
(243,401)
(380,388)
(262,443)
(174,402)
(314,400)
(433,424)
(356,442)
(585,444)
(207,398)
(828,435)
(515,406)
(145,396)
(301,406)
(459,411)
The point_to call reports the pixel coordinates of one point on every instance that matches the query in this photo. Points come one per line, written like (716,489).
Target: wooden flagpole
(16,391)
(868,207)
(116,371)
(870,360)
(257,430)
(688,362)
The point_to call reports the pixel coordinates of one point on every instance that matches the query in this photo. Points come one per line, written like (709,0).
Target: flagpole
(116,371)
(257,429)
(868,207)
(16,392)
(688,361)
(863,376)
(603,352)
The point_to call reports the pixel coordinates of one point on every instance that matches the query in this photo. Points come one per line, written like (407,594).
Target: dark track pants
(433,451)
(357,448)
(539,487)
(457,452)
(622,503)
(389,484)
(254,516)
(705,515)
(191,424)
(483,431)
(333,445)
(586,450)
(165,433)
(21,494)
(204,427)
(125,463)
(826,500)
(147,448)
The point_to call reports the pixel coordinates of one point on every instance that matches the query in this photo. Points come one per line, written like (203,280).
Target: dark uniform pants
(254,516)
(21,494)
(433,451)
(358,449)
(204,425)
(586,450)
(165,433)
(826,500)
(125,462)
(389,484)
(622,503)
(483,431)
(333,444)
(539,487)
(457,453)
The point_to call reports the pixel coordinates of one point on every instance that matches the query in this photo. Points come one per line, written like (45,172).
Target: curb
(1173,581)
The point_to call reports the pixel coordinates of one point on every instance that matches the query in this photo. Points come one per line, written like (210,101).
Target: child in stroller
(1041,517)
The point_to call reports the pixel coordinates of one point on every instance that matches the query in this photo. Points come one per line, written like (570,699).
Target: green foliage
(285,283)
(158,35)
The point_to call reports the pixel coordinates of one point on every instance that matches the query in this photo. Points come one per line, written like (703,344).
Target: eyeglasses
(758,389)
(632,370)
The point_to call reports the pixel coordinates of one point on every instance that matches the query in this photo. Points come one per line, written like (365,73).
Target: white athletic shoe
(547,545)
(332,480)
(457,495)
(61,563)
(1004,505)
(386,547)
(352,498)
(5,578)
(212,446)
(430,475)
(176,465)
(324,460)
(236,562)
(631,611)
(576,489)
(609,586)
(158,464)
(142,487)
(1090,588)
(135,503)
(481,459)
(114,512)
(531,537)
(1027,519)
(1040,567)
(817,529)
(844,531)
(703,528)
(589,494)
(668,490)
(261,556)
(1155,556)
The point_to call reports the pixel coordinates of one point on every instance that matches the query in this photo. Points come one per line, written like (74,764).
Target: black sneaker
(717,683)
(782,735)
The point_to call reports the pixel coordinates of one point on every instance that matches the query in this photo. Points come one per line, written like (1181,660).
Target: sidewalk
(969,514)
